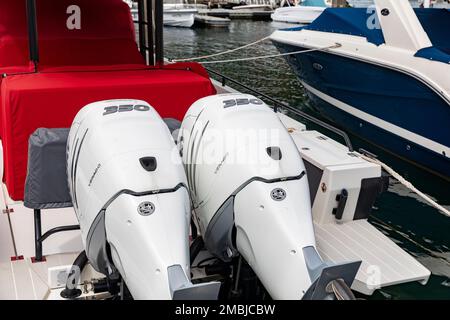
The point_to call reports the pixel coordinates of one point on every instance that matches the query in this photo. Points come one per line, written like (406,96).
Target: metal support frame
(159,31)
(150,23)
(32,32)
(141,18)
(150,33)
(39,237)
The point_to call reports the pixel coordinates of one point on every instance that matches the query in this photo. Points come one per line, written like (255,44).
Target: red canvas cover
(52,99)
(98,61)
(106,35)
(13,34)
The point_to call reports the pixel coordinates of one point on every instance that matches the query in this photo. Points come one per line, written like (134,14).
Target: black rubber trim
(137,194)
(239,189)
(144,193)
(260,179)
(128,192)
(371,188)
(314,177)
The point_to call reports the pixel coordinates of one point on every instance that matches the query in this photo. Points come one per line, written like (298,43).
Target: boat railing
(277,105)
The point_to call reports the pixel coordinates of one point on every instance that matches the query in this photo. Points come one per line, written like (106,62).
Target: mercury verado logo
(146,208)
(278,194)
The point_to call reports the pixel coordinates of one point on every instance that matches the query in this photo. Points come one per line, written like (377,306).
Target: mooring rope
(223,52)
(336,45)
(408,184)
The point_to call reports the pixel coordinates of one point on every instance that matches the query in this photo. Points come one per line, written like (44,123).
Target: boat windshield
(313,3)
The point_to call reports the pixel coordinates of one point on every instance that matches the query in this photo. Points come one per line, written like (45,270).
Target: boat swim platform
(383,262)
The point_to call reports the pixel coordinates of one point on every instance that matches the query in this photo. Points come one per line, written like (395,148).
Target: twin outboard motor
(129,191)
(251,196)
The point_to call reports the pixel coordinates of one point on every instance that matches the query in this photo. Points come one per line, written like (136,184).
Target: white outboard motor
(251,195)
(130,195)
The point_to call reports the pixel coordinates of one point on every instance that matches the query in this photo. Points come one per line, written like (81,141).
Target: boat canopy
(313,3)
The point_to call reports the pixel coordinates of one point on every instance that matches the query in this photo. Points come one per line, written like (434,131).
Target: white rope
(223,52)
(408,185)
(337,45)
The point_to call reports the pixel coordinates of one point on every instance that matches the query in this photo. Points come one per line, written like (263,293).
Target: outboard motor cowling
(129,191)
(250,192)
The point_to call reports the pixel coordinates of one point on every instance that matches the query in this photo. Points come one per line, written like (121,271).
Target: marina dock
(237,14)
(203,20)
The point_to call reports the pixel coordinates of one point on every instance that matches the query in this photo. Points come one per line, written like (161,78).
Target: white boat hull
(179,16)
(297,14)
(174,17)
(179,19)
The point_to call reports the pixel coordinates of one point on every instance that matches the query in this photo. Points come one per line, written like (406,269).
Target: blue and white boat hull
(398,103)
(384,138)
(391,109)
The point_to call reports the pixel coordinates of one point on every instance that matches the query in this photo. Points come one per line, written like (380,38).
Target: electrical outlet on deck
(57,276)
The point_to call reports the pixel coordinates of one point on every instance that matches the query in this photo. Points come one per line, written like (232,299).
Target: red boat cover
(98,61)
(51,100)
(105,36)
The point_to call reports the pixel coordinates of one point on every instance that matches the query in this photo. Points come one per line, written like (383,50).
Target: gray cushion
(46,184)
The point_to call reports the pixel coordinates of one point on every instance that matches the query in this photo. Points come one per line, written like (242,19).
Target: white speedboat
(304,13)
(179,15)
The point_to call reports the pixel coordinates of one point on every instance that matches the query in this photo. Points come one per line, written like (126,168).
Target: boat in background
(385,76)
(440,4)
(179,14)
(304,13)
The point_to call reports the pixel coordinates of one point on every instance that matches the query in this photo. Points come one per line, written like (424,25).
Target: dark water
(400,214)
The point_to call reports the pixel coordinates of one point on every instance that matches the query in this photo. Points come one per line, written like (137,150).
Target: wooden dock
(228,4)
(236,14)
(203,20)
